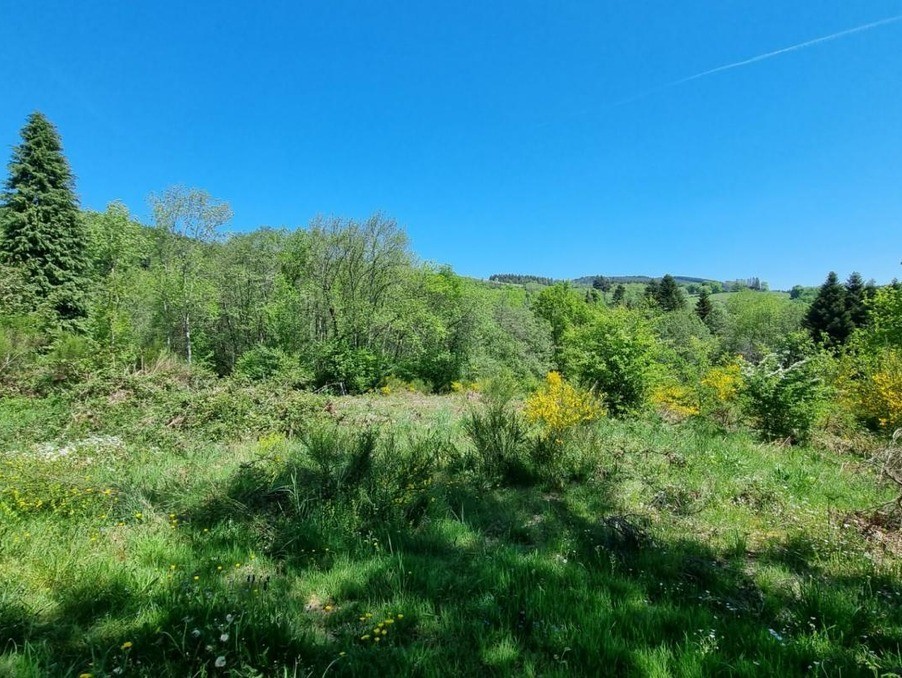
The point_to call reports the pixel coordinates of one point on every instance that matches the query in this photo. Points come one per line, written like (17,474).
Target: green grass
(682,551)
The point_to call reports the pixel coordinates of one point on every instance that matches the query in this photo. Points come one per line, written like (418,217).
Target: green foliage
(783,396)
(703,307)
(562,308)
(186,222)
(669,296)
(498,434)
(262,363)
(828,318)
(41,230)
(856,297)
(756,322)
(20,341)
(117,246)
(349,370)
(885,318)
(614,353)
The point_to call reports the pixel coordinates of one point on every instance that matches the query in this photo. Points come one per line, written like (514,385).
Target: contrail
(760,57)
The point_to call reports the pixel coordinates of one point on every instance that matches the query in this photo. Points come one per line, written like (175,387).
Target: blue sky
(505,137)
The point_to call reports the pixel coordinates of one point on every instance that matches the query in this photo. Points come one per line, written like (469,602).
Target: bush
(263,363)
(614,353)
(559,406)
(349,370)
(783,399)
(719,391)
(498,433)
(878,390)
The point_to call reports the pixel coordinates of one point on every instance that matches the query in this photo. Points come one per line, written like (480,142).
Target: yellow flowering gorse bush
(558,405)
(880,391)
(723,382)
(676,399)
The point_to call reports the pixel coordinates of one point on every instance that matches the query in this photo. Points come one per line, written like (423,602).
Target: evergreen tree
(703,306)
(828,319)
(670,297)
(603,285)
(619,294)
(856,302)
(41,232)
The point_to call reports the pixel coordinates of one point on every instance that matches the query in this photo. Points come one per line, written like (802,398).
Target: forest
(305,451)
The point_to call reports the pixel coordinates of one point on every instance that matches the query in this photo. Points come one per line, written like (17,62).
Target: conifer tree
(703,306)
(41,232)
(828,318)
(670,298)
(856,300)
(619,294)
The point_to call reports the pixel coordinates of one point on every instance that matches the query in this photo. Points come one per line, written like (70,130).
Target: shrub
(614,353)
(676,400)
(559,406)
(392,384)
(718,391)
(351,370)
(498,434)
(263,362)
(878,390)
(784,399)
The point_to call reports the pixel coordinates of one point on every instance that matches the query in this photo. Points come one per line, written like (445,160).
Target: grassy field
(365,540)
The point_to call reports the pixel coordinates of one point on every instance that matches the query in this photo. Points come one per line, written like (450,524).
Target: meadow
(159,527)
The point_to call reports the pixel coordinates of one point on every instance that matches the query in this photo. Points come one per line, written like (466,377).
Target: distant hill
(691,282)
(586,281)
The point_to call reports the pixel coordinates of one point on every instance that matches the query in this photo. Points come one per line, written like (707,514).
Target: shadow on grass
(481,581)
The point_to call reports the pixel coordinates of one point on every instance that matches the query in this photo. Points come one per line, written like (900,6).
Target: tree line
(345,305)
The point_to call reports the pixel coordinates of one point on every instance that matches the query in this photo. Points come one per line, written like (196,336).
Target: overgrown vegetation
(302,452)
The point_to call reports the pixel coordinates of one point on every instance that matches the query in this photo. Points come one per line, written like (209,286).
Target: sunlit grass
(685,552)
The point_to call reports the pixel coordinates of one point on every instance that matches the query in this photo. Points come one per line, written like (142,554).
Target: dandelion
(328,608)
(126,645)
(399,616)
(365,636)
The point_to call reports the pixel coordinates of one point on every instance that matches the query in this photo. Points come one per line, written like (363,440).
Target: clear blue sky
(492,131)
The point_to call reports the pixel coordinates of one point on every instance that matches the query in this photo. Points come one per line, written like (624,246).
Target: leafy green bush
(351,370)
(615,354)
(263,363)
(783,398)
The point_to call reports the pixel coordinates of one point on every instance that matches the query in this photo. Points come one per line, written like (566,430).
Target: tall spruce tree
(828,318)
(703,306)
(856,300)
(41,231)
(619,294)
(670,297)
